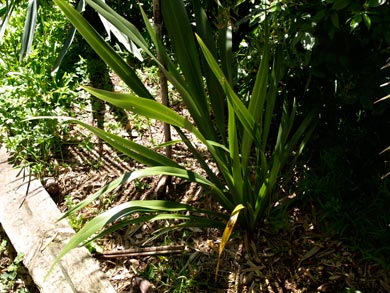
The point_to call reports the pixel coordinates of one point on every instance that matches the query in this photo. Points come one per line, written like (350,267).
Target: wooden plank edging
(33,231)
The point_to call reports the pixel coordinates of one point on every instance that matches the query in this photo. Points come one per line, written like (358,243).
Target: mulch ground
(296,257)
(293,257)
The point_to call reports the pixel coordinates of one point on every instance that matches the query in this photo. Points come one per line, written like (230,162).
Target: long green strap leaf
(29,28)
(68,40)
(302,130)
(244,116)
(7,11)
(131,149)
(186,56)
(106,189)
(171,72)
(122,24)
(147,108)
(276,75)
(215,93)
(155,110)
(256,106)
(106,52)
(236,171)
(225,41)
(184,46)
(256,103)
(116,213)
(189,221)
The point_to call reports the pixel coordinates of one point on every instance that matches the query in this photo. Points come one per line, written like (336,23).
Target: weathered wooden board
(34,231)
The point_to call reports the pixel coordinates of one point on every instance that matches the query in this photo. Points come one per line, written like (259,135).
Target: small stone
(52,187)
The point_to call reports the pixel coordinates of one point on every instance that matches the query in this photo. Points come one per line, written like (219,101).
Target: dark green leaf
(182,86)
(340,4)
(68,40)
(29,29)
(320,15)
(335,19)
(133,150)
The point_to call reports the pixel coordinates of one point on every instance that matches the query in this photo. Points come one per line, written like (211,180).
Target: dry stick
(144,251)
(158,23)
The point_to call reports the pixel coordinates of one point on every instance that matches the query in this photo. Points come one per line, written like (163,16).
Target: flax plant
(6,10)
(236,133)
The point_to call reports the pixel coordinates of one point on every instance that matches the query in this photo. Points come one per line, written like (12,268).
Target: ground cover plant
(13,275)
(29,89)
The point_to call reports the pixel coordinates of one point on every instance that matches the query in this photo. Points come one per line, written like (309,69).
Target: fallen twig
(144,251)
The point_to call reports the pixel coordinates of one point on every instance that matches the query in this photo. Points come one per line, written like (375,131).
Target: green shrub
(28,89)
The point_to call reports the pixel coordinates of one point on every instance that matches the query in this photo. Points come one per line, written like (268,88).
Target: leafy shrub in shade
(336,50)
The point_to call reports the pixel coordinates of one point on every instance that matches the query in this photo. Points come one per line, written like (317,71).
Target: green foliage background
(341,74)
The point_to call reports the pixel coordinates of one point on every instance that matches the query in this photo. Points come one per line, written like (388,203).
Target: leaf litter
(299,258)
